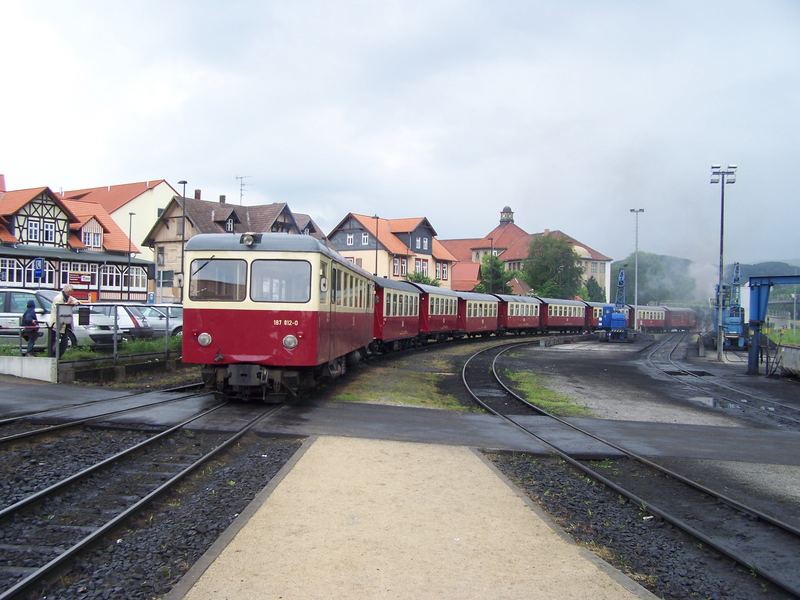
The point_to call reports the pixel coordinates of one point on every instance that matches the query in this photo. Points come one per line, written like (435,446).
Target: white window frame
(395,266)
(229,225)
(33,228)
(418,242)
(349,239)
(365,239)
(13,271)
(444,271)
(424,243)
(438,270)
(403,267)
(425,268)
(48,231)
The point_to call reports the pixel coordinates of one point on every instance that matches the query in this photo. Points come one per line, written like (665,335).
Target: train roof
(403,286)
(591,303)
(476,296)
(677,309)
(512,298)
(562,301)
(267,242)
(432,289)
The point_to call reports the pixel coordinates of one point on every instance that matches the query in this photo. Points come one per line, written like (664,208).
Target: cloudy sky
(569,112)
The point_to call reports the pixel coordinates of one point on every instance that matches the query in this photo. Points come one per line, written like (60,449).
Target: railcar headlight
(290,342)
(204,339)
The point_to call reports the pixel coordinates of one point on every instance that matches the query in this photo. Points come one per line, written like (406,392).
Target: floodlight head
(731,178)
(715,179)
(716,167)
(733,167)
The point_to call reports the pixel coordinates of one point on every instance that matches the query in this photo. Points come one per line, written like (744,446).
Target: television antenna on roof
(242,186)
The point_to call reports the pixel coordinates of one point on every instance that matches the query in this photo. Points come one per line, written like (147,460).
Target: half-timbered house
(47,242)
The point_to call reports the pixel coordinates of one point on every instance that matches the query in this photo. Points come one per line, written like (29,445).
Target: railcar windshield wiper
(201,267)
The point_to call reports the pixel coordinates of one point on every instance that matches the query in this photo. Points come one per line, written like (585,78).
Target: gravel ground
(31,465)
(661,558)
(148,556)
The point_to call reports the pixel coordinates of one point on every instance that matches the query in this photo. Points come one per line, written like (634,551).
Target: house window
(87,238)
(425,268)
(364,239)
(438,270)
(349,240)
(96,239)
(110,277)
(395,266)
(33,231)
(10,270)
(48,275)
(417,265)
(424,243)
(306,231)
(160,256)
(419,241)
(359,262)
(49,231)
(403,266)
(444,271)
(229,225)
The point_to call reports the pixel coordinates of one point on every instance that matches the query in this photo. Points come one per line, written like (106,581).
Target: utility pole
(721,176)
(636,212)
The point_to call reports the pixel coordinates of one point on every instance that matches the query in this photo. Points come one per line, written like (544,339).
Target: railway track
(718,392)
(43,531)
(25,425)
(761,542)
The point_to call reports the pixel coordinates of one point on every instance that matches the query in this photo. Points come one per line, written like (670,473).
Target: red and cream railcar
(680,319)
(397,313)
(563,315)
(438,316)
(477,313)
(651,318)
(270,312)
(519,314)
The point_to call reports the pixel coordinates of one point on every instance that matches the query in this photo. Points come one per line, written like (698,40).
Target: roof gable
(114,239)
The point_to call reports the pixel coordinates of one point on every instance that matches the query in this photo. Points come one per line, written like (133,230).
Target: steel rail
(120,517)
(12,508)
(49,428)
(654,508)
(6,420)
(712,382)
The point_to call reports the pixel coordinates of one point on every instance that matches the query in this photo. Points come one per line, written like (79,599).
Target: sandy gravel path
(361,518)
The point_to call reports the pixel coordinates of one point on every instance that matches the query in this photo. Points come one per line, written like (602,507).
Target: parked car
(157,317)
(131,321)
(13,302)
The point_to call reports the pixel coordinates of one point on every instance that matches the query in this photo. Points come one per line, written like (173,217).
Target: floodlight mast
(721,176)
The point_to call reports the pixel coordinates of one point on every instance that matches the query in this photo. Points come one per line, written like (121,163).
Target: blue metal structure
(614,320)
(733,326)
(759,298)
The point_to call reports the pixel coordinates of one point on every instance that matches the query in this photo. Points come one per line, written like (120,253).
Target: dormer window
(229,225)
(424,243)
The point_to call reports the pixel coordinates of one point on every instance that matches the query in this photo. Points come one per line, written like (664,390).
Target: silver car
(157,317)
(13,302)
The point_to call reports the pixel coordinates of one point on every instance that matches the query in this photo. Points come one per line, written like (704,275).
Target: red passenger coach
(563,315)
(270,313)
(438,315)
(680,319)
(519,314)
(477,313)
(396,319)
(652,318)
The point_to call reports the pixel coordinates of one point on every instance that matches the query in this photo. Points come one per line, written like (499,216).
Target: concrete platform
(356,518)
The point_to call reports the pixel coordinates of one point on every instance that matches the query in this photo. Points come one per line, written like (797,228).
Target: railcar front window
(219,280)
(280,281)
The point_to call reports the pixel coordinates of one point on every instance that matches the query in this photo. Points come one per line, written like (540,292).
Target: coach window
(280,281)
(323,283)
(218,280)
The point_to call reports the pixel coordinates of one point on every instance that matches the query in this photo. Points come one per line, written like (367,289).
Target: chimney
(2,183)
(546,231)
(222,198)
(197,194)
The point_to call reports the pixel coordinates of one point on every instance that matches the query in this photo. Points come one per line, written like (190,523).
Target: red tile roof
(114,239)
(75,241)
(461,249)
(385,236)
(11,202)
(465,276)
(6,237)
(439,252)
(518,287)
(112,197)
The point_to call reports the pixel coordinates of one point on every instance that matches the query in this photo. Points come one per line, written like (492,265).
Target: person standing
(63,297)
(30,326)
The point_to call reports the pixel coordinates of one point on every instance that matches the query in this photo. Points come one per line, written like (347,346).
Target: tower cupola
(507,215)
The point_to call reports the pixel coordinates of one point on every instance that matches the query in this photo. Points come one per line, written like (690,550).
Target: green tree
(553,269)
(596,293)
(423,279)
(493,277)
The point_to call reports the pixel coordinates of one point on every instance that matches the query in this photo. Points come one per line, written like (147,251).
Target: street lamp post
(491,266)
(376,245)
(183,182)
(130,233)
(794,311)
(636,212)
(721,176)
